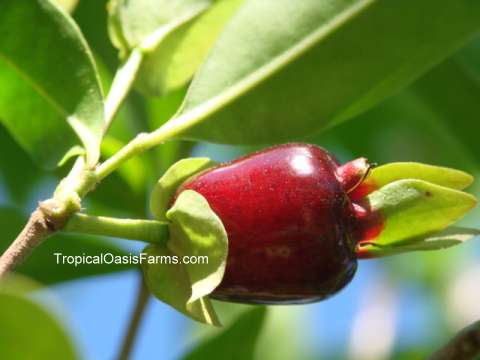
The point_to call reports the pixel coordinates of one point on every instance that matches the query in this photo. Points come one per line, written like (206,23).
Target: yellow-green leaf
(442,240)
(443,176)
(412,213)
(142,24)
(175,60)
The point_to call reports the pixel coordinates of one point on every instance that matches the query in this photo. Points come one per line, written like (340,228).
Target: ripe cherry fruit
(290,222)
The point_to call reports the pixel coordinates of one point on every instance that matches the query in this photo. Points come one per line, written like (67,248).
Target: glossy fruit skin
(289,224)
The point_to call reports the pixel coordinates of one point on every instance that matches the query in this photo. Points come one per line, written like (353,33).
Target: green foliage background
(399,82)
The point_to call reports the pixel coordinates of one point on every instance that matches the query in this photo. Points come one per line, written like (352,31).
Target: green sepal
(411,215)
(195,230)
(170,283)
(388,173)
(442,240)
(178,173)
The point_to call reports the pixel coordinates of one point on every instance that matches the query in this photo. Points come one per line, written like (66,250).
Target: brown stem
(50,216)
(135,321)
(465,345)
(35,231)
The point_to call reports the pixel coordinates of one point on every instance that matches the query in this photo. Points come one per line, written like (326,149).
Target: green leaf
(469,58)
(381,134)
(173,63)
(443,176)
(412,210)
(30,332)
(195,230)
(18,284)
(168,281)
(247,327)
(451,93)
(442,240)
(267,82)
(48,81)
(164,190)
(142,24)
(42,265)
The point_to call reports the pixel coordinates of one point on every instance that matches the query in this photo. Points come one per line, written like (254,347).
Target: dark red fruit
(290,223)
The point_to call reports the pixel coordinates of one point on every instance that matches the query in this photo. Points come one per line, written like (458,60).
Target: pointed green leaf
(49,83)
(30,332)
(196,230)
(443,176)
(436,241)
(412,210)
(178,173)
(175,60)
(168,281)
(267,82)
(143,24)
(248,327)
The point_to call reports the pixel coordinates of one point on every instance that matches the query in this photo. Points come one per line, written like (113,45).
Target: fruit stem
(150,231)
(143,296)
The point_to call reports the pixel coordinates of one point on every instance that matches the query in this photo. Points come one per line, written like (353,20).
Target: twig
(135,321)
(50,216)
(35,231)
(465,345)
